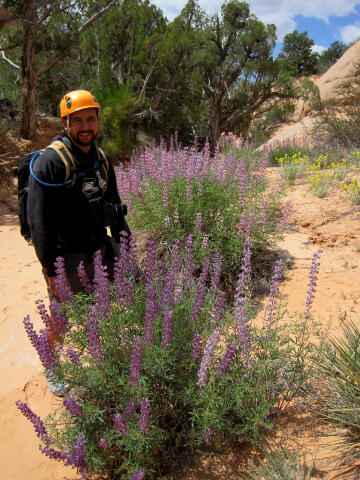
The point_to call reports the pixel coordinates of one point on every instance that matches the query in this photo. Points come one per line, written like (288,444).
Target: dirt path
(332,224)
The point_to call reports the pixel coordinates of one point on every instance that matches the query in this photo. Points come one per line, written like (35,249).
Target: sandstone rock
(297,131)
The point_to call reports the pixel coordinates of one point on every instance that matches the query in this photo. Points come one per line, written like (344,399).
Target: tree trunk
(214,125)
(28,76)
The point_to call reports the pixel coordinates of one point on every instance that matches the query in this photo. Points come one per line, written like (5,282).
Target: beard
(85,138)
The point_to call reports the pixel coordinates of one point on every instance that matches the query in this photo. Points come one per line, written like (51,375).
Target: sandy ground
(332,224)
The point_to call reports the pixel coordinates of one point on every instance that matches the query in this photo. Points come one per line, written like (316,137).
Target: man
(69,218)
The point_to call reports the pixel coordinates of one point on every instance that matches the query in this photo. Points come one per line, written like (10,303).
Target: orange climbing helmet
(77,100)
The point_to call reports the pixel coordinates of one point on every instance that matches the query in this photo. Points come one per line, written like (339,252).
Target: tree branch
(8,60)
(51,63)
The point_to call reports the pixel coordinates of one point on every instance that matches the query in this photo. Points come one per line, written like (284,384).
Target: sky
(325,21)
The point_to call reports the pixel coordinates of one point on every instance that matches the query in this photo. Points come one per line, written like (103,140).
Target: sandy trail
(21,284)
(332,224)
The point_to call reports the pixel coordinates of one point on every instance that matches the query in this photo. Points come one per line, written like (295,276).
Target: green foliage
(216,206)
(119,134)
(340,362)
(286,151)
(281,464)
(297,50)
(330,56)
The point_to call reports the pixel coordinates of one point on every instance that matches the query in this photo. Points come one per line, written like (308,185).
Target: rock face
(329,85)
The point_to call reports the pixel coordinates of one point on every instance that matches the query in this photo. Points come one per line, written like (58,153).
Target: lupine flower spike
(207,357)
(313,276)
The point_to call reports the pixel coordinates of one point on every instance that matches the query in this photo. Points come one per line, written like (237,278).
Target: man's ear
(63,121)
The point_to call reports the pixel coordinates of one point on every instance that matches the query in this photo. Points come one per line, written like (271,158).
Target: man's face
(84,126)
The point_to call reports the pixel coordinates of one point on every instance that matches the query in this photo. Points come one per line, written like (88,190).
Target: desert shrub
(281,464)
(338,122)
(218,200)
(161,366)
(285,151)
(340,361)
(352,190)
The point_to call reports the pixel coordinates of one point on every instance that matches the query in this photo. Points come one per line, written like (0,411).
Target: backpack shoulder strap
(104,161)
(66,156)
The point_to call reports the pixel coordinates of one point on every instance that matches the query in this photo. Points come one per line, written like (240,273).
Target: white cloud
(350,33)
(318,49)
(281,12)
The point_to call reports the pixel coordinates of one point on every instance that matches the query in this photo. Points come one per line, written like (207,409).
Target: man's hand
(52,285)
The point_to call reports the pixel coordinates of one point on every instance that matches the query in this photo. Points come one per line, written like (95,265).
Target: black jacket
(69,219)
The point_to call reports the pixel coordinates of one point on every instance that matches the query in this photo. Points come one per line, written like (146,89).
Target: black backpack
(25,170)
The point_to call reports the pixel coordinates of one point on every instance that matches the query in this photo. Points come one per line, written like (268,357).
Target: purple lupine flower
(83,277)
(285,217)
(265,211)
(54,454)
(188,187)
(167,222)
(274,294)
(208,433)
(240,174)
(73,356)
(73,407)
(129,290)
(250,224)
(167,329)
(198,222)
(59,321)
(167,295)
(151,312)
(125,270)
(119,275)
(131,261)
(101,286)
(41,344)
(198,302)
(219,305)
(150,268)
(144,417)
(62,284)
(215,272)
(263,166)
(196,346)
(204,271)
(241,226)
(205,242)
(176,260)
(231,350)
(165,196)
(94,334)
(35,420)
(44,314)
(189,262)
(209,351)
(313,276)
(130,409)
(200,189)
(120,425)
(77,457)
(242,286)
(136,361)
(139,474)
(103,442)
